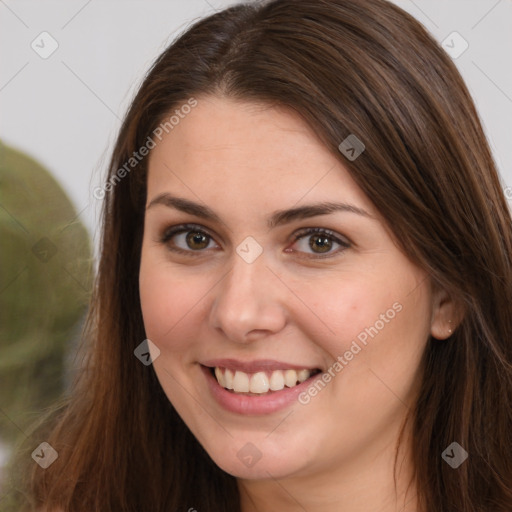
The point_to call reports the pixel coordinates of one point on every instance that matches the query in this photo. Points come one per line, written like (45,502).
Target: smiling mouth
(260,383)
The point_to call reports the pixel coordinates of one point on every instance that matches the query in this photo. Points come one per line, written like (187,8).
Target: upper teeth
(259,382)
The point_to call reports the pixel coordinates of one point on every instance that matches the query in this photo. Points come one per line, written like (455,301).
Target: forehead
(251,153)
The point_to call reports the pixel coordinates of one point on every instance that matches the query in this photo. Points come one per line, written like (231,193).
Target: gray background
(65,110)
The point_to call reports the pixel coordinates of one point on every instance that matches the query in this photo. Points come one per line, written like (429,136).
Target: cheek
(168,302)
(340,310)
(170,306)
(380,331)
(370,323)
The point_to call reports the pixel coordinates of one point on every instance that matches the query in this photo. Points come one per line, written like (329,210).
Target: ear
(446,315)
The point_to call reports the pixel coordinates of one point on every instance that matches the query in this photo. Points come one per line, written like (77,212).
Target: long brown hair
(361,67)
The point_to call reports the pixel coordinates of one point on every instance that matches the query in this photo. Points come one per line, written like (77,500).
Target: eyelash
(169,233)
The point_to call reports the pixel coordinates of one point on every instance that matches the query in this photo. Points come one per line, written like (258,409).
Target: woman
(304,292)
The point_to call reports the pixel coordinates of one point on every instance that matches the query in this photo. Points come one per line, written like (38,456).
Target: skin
(246,161)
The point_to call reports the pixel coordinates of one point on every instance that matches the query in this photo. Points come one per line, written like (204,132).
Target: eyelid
(341,240)
(171,231)
(174,230)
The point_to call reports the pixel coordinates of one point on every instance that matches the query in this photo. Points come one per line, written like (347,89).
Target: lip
(254,405)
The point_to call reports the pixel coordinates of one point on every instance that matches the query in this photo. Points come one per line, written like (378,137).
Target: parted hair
(361,67)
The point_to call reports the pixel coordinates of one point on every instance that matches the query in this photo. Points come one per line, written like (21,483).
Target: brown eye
(187,239)
(197,240)
(320,243)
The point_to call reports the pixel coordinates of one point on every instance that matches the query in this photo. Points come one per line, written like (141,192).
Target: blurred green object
(45,283)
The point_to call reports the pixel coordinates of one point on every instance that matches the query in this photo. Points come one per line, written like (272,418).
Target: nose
(249,302)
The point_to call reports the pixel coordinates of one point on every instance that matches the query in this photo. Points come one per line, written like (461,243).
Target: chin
(257,458)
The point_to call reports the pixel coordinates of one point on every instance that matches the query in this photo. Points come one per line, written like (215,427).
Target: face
(264,263)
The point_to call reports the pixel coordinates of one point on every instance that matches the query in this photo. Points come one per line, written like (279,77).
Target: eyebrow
(277,218)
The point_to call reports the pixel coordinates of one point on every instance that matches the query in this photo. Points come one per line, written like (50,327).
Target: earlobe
(446,316)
